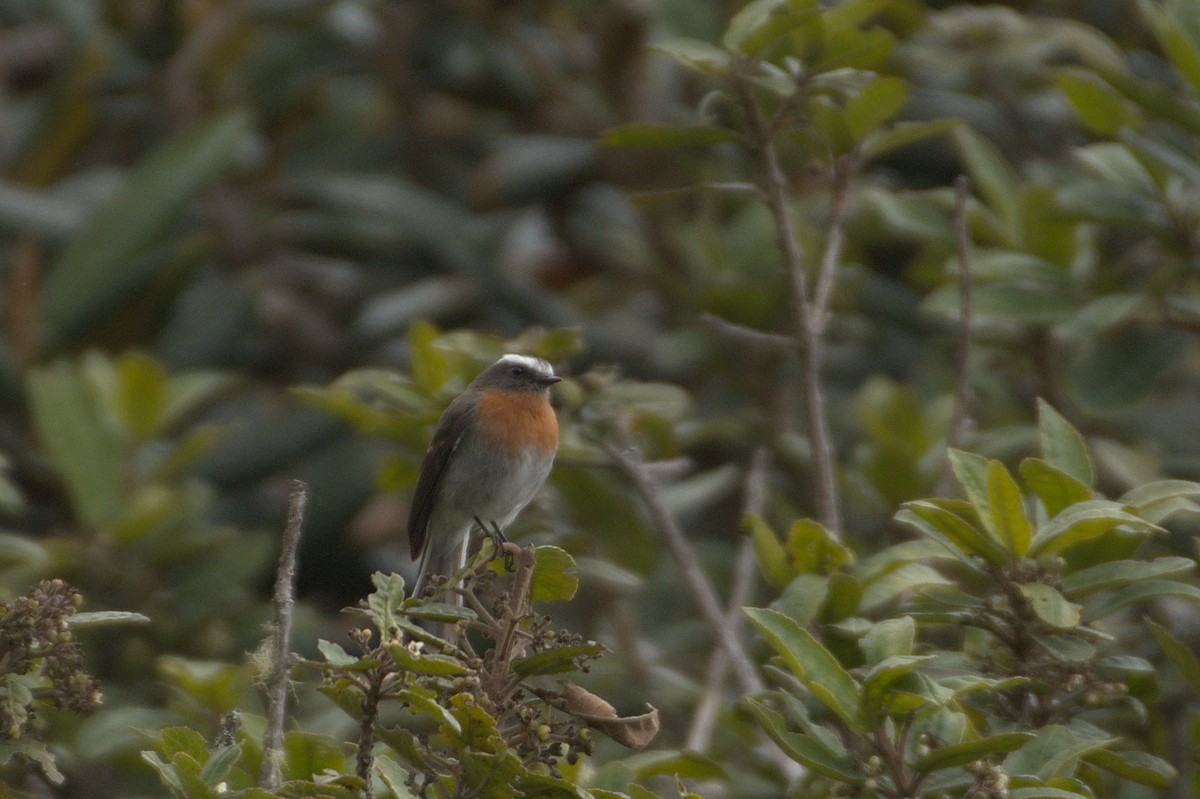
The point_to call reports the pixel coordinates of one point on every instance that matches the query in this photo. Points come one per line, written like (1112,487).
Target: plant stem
(283,601)
(807,314)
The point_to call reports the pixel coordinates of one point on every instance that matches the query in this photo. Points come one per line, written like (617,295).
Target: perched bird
(491,451)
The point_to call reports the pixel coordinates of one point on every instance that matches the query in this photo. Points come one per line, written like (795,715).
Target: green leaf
(1040,792)
(219,764)
(84,445)
(1100,108)
(101,618)
(335,655)
(1084,521)
(1183,52)
(888,638)
(805,750)
(1179,653)
(1146,496)
(140,393)
(971,472)
(803,597)
(1007,508)
(1117,573)
(675,763)
(554,577)
(877,103)
(772,559)
(812,548)
(667,136)
(969,751)
(1062,445)
(762,22)
(939,522)
(995,180)
(36,752)
(105,264)
(1140,592)
(1140,767)
(880,677)
(904,134)
(557,660)
(1051,606)
(166,774)
(697,55)
(385,600)
(433,665)
(1054,753)
(1055,488)
(811,663)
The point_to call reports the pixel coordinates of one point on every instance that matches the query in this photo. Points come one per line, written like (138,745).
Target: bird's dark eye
(517,371)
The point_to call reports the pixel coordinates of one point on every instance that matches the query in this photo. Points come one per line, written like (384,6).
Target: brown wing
(446,437)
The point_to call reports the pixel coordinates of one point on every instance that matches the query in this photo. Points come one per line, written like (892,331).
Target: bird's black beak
(549,381)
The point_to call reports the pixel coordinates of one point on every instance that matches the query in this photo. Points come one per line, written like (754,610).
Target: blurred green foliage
(245,241)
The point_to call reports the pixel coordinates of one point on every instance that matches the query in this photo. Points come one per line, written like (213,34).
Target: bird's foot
(498,541)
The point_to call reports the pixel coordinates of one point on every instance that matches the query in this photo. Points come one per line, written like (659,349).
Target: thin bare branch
(705,717)
(960,421)
(804,310)
(748,335)
(831,258)
(283,601)
(685,556)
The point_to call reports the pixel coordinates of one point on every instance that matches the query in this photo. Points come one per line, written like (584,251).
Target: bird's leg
(498,541)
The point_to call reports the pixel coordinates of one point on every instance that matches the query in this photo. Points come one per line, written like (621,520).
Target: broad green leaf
(877,103)
(1055,488)
(557,660)
(772,559)
(888,638)
(335,654)
(140,392)
(1084,521)
(1099,107)
(1038,792)
(805,750)
(666,136)
(1179,653)
(888,586)
(1140,767)
(969,751)
(812,548)
(931,519)
(995,180)
(554,577)
(1183,51)
(811,663)
(1007,508)
(1145,496)
(670,762)
(697,55)
(904,134)
(971,472)
(1139,675)
(879,678)
(1025,303)
(1054,753)
(855,49)
(105,264)
(386,599)
(1142,591)
(762,22)
(1050,606)
(803,597)
(1116,573)
(219,764)
(1066,648)
(433,665)
(85,446)
(1062,445)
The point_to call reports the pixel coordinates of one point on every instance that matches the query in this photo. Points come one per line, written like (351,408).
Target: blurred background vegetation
(246,241)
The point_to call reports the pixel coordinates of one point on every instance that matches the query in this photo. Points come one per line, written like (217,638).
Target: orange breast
(518,420)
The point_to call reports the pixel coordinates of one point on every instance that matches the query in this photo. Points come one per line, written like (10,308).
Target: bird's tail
(441,561)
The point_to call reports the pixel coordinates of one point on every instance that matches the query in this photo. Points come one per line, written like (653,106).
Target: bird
(492,450)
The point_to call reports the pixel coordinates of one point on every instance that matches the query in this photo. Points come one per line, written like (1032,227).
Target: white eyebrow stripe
(536,364)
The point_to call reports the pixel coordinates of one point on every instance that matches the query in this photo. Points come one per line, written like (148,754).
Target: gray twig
(283,601)
(705,717)
(685,556)
(806,313)
(960,421)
